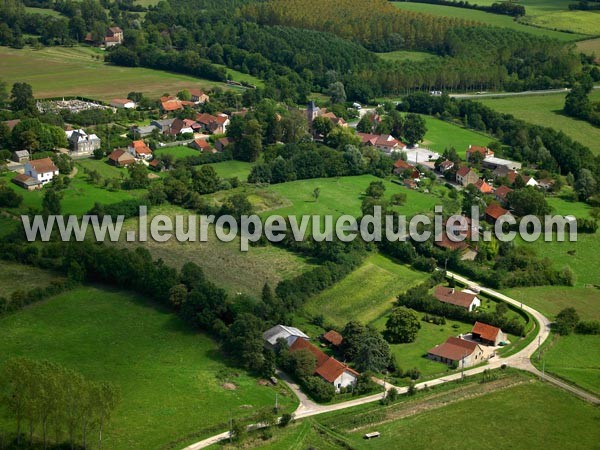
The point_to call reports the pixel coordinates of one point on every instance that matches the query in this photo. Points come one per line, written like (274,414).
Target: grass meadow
(232,169)
(366,294)
(15,277)
(496,20)
(76,71)
(170,376)
(546,110)
(575,358)
(589,46)
(178,152)
(441,135)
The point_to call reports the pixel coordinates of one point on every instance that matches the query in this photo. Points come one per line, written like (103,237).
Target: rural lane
(520,360)
(514,94)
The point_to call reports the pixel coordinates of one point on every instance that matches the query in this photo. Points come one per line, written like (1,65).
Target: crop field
(546,110)
(15,277)
(78,198)
(365,294)
(77,71)
(589,46)
(441,135)
(581,22)
(223,262)
(497,20)
(576,358)
(170,376)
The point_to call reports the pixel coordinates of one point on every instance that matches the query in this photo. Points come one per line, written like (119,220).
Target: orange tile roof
(502,192)
(43,165)
(483,187)
(495,211)
(485,331)
(331,369)
(453,297)
(303,344)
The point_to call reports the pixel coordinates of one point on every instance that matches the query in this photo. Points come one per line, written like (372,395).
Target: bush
(285,420)
(318,389)
(588,327)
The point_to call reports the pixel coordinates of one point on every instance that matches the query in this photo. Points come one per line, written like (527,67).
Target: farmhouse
(466,176)
(38,172)
(327,367)
(82,143)
(386,143)
(26,182)
(139,150)
(213,124)
(20,156)
(501,194)
(169,104)
(289,334)
(464,299)
(446,165)
(401,167)
(483,187)
(120,158)
(487,334)
(334,338)
(457,351)
(475,149)
(123,103)
(142,132)
(113,36)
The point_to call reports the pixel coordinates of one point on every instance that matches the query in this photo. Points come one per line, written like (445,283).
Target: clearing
(14,277)
(170,376)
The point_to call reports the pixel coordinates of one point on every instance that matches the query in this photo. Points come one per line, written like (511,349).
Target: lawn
(232,169)
(441,135)
(402,55)
(102,167)
(550,300)
(178,152)
(14,277)
(170,377)
(223,262)
(76,71)
(575,358)
(497,20)
(366,294)
(78,198)
(546,110)
(344,195)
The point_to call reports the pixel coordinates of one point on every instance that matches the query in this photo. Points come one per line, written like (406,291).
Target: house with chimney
(81,143)
(488,334)
(140,150)
(466,176)
(386,143)
(457,352)
(482,152)
(38,172)
(113,36)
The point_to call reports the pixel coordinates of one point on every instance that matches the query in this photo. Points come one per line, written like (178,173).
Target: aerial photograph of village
(299,224)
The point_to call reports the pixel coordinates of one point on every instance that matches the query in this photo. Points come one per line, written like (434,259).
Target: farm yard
(170,376)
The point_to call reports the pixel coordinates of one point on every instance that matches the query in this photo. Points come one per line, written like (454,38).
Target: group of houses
(137,151)
(326,367)
(169,103)
(113,36)
(468,350)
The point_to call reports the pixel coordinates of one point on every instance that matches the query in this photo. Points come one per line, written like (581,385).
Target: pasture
(169,375)
(366,294)
(589,46)
(178,152)
(546,110)
(441,135)
(496,20)
(232,169)
(80,71)
(575,358)
(581,22)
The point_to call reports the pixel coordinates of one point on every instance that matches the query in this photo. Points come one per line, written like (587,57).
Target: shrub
(285,420)
(319,389)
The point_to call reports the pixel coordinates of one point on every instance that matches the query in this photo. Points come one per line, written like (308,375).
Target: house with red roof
(121,158)
(494,211)
(487,334)
(483,151)
(139,150)
(401,167)
(332,337)
(170,104)
(446,165)
(465,299)
(457,351)
(387,143)
(483,187)
(501,194)
(215,124)
(199,96)
(202,145)
(113,36)
(42,170)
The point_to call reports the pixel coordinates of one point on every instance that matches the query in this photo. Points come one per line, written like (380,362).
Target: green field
(441,135)
(589,46)
(582,22)
(365,294)
(340,196)
(546,110)
(223,262)
(231,169)
(241,77)
(523,415)
(178,152)
(44,11)
(550,300)
(78,198)
(75,71)
(565,207)
(170,377)
(15,277)
(575,358)
(497,20)
(102,167)
(402,55)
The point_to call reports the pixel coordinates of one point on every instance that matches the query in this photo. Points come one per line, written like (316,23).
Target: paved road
(520,360)
(514,94)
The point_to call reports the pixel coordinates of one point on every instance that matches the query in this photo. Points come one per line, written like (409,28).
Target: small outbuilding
(488,334)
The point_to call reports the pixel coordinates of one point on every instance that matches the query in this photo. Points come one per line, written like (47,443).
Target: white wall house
(42,170)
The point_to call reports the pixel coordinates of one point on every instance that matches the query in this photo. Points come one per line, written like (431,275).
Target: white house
(140,150)
(123,103)
(42,170)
